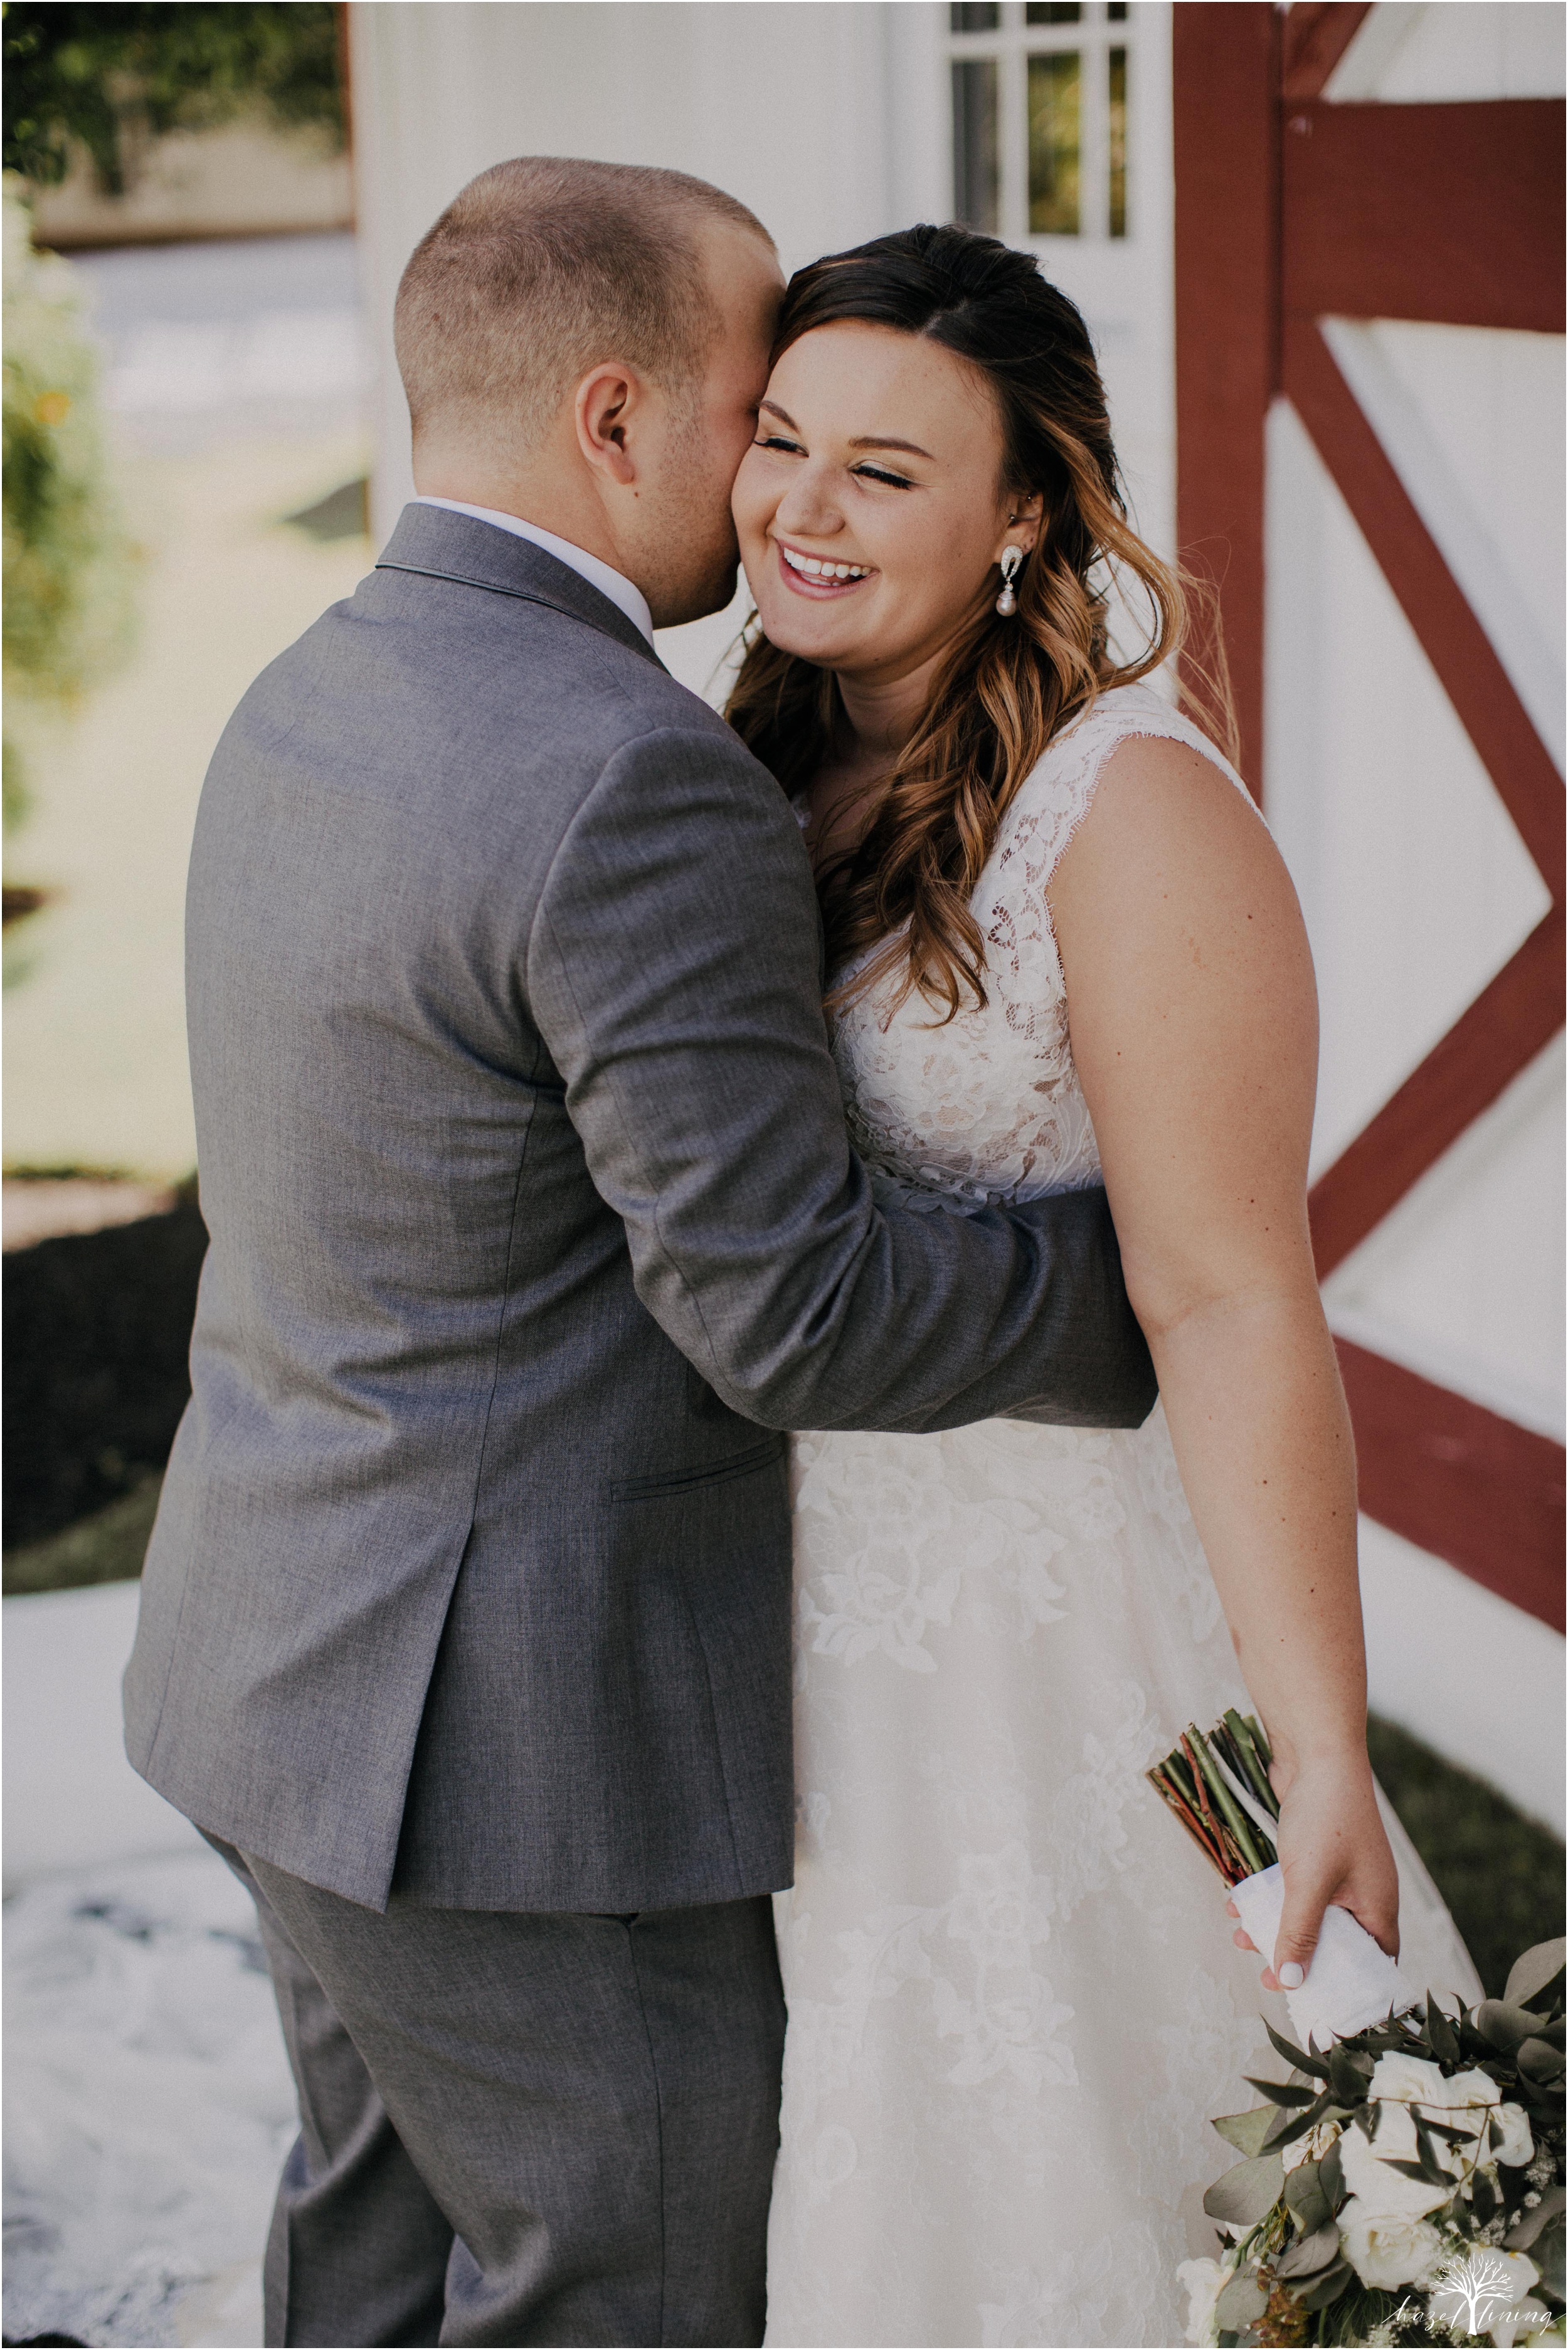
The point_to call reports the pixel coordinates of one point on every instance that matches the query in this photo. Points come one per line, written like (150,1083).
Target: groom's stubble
(684,545)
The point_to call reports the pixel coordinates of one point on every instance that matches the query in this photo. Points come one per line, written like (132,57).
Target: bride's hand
(1332,1847)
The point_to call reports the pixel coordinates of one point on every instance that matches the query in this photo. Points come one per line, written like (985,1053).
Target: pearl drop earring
(1012,565)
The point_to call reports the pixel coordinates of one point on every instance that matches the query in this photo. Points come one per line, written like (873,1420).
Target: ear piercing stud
(1012,565)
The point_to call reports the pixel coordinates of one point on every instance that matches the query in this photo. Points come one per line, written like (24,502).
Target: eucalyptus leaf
(1245,2131)
(1536,1971)
(1331,2176)
(1525,2230)
(1306,2199)
(1282,2092)
(1441,2037)
(1289,2128)
(1345,2077)
(1242,2301)
(1505,2025)
(1293,2056)
(1539,2061)
(1245,2193)
(1328,2287)
(1431,2169)
(1309,2253)
(1547,2253)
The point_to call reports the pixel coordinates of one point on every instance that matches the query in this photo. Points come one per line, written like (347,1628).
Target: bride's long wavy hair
(1008,685)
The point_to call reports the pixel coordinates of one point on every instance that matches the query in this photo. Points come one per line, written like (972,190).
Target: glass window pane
(1117,12)
(1053,144)
(1119,95)
(1052,12)
(976,179)
(983,18)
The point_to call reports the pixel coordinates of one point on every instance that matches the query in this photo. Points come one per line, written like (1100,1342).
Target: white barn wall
(1416,889)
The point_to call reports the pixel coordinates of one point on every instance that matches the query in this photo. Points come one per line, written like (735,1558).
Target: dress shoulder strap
(1056,797)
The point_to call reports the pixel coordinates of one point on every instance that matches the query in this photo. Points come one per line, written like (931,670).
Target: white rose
(1410,2080)
(1369,2173)
(1204,2280)
(1518,2146)
(1388,2249)
(1469,2094)
(1467,2098)
(1310,2147)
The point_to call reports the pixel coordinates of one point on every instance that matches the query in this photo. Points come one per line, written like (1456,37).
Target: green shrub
(67,561)
(106,78)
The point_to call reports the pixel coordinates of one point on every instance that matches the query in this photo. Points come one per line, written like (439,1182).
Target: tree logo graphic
(1474,2287)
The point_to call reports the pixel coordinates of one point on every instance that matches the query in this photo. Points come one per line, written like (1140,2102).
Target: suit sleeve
(672,968)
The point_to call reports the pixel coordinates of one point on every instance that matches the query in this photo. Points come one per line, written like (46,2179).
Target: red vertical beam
(1226,79)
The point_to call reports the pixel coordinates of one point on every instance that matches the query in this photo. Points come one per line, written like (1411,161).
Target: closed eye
(879,474)
(778,441)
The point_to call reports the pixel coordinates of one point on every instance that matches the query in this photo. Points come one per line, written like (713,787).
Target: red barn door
(1291,209)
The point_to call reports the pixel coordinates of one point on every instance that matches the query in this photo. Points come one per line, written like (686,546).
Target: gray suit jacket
(533,1222)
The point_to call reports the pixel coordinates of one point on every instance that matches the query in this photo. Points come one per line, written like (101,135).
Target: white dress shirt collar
(613,584)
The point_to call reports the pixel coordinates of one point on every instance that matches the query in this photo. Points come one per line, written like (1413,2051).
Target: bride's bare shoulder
(1152,783)
(1171,857)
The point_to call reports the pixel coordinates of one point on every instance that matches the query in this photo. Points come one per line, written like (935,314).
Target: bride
(1059,941)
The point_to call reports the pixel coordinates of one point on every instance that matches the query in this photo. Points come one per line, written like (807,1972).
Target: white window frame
(1013,44)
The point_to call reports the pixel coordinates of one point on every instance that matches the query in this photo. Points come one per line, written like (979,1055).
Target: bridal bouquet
(1218,1786)
(1405,2186)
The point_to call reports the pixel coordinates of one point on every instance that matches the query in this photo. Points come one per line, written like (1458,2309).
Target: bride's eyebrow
(863,441)
(910,448)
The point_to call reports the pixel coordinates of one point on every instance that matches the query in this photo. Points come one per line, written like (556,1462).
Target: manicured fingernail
(1291,1976)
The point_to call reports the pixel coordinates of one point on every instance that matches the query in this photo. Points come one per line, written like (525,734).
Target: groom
(466,1626)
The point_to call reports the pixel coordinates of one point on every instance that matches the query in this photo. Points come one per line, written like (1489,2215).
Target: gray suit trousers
(520,2127)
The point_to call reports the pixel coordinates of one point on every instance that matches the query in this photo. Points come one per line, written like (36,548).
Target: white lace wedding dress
(1013,1999)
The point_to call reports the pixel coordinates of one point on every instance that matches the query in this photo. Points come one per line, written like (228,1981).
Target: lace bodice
(989,1108)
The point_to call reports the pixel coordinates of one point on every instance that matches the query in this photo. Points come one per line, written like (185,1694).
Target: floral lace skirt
(1013,1999)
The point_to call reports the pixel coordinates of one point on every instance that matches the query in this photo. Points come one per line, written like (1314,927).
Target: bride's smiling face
(870,508)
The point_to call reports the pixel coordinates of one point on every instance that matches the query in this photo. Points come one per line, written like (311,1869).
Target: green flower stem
(1235,1818)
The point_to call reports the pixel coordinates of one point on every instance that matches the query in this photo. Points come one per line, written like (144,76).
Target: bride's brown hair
(1008,685)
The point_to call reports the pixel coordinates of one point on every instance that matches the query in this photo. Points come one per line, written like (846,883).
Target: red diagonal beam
(1451,212)
(1508,1023)
(1317,35)
(1456,644)
(1459,1481)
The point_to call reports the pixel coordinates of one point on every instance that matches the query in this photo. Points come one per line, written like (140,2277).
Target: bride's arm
(1194,1028)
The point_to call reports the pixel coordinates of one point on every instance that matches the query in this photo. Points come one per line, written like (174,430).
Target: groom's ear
(607,402)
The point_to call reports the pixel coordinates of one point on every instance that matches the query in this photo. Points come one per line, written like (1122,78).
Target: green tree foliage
(108,76)
(67,561)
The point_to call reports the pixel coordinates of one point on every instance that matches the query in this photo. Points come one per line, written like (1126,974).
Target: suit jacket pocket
(683,1480)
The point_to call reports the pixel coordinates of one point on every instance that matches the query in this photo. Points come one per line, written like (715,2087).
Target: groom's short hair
(543,267)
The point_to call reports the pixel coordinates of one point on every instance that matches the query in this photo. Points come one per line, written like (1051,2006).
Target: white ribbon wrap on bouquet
(1350,1983)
